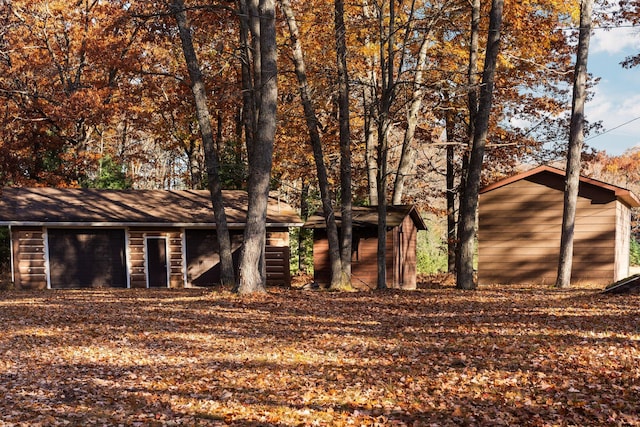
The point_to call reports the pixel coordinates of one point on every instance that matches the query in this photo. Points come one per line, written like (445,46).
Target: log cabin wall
(133,229)
(137,255)
(277,255)
(29,257)
(519,236)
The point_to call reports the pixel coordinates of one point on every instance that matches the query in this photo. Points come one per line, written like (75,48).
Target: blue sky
(617,96)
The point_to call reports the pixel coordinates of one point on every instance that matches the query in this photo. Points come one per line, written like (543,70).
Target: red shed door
(86,258)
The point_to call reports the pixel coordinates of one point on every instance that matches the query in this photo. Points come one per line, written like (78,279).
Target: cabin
(520,223)
(403,224)
(67,238)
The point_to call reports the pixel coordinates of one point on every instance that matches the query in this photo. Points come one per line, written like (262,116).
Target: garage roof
(84,207)
(554,178)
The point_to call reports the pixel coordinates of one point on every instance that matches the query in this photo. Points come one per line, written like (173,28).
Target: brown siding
(29,264)
(135,254)
(364,262)
(519,236)
(321,265)
(28,257)
(203,258)
(405,270)
(277,254)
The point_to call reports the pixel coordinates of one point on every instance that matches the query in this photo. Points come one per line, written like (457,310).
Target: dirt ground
(432,357)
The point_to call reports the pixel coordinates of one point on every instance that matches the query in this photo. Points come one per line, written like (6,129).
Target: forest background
(96,93)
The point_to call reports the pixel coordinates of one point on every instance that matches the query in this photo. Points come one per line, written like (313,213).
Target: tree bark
(368,102)
(472,107)
(345,146)
(450,188)
(469,202)
(252,262)
(384,124)
(211,156)
(370,144)
(316,145)
(576,141)
(247,58)
(408,153)
(304,233)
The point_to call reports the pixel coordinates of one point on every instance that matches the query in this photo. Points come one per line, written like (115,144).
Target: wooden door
(157,262)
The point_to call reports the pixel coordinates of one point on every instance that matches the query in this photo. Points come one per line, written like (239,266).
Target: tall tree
(469,201)
(227,276)
(574,153)
(472,108)
(345,145)
(387,54)
(252,259)
(316,145)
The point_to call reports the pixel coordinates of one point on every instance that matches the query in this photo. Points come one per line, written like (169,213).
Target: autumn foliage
(435,356)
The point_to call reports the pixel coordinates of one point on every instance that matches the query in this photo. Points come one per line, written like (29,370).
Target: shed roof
(554,178)
(84,207)
(367,216)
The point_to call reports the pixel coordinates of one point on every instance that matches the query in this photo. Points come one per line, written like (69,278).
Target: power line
(612,129)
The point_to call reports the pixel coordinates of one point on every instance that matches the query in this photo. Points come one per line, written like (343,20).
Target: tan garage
(520,221)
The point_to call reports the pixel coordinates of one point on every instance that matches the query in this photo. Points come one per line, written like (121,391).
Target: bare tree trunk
(370,146)
(211,156)
(316,144)
(451,191)
(384,125)
(576,141)
(345,146)
(451,211)
(472,106)
(368,101)
(304,233)
(247,57)
(469,201)
(408,153)
(252,262)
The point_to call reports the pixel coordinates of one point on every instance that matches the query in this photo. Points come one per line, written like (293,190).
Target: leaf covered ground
(496,356)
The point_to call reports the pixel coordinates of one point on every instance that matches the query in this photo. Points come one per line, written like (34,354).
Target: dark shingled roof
(367,216)
(79,206)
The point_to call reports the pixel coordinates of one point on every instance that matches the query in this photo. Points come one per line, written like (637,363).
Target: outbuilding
(83,238)
(403,224)
(520,223)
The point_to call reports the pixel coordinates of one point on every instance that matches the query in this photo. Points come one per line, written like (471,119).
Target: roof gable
(597,191)
(78,206)
(367,216)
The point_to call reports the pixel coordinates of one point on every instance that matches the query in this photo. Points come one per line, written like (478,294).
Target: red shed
(403,224)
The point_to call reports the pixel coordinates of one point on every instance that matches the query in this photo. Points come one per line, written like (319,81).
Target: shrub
(431,250)
(634,252)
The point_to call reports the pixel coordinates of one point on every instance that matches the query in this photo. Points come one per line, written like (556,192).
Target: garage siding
(203,259)
(29,267)
(519,236)
(79,258)
(138,257)
(203,255)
